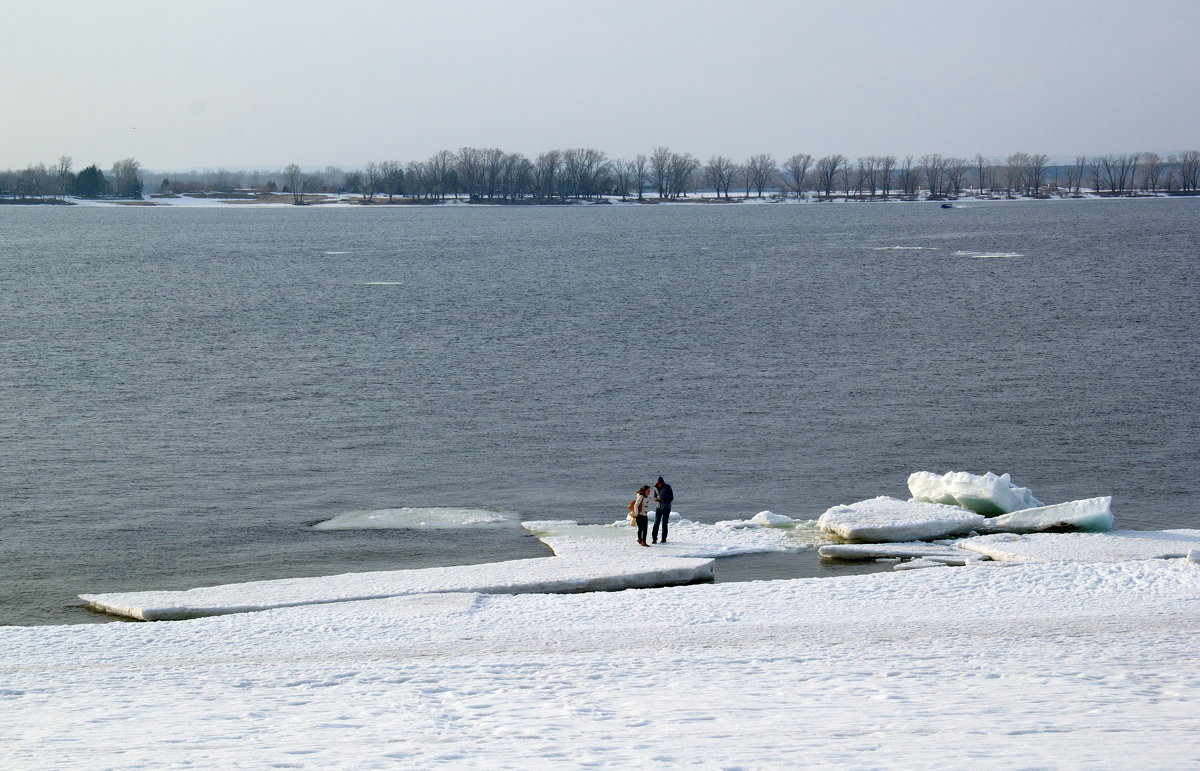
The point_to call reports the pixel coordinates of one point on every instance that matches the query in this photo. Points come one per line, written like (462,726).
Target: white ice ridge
(885,519)
(985,494)
(1089,514)
(687,538)
(1115,546)
(613,569)
(1029,666)
(435,517)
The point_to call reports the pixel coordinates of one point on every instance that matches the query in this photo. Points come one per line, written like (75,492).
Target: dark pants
(660,518)
(642,522)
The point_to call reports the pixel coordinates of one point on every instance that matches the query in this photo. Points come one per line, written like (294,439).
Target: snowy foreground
(998,665)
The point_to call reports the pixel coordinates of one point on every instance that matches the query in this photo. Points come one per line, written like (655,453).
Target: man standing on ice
(663,495)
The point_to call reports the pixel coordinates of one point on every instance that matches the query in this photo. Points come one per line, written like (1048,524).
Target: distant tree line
(59,180)
(561,176)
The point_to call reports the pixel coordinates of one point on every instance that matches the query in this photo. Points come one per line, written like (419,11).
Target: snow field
(1046,665)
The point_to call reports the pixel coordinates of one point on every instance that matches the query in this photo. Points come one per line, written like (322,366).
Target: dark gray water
(185,391)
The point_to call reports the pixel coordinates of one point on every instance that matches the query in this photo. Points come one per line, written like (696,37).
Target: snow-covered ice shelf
(1026,666)
(1115,546)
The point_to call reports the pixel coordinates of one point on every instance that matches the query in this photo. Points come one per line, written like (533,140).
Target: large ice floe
(606,570)
(420,518)
(886,519)
(985,494)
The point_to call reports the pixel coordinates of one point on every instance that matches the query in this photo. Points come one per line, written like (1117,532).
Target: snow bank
(987,494)
(885,519)
(1032,666)
(417,518)
(1085,547)
(1089,514)
(614,569)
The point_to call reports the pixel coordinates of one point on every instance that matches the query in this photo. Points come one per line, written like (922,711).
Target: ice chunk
(631,568)
(1090,514)
(987,494)
(868,551)
(1193,555)
(886,520)
(1115,546)
(431,518)
(771,519)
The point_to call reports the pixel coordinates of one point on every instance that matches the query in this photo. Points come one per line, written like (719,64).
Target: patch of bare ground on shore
(311,199)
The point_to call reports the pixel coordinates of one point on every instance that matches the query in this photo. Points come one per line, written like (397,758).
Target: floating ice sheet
(985,494)
(1090,514)
(430,518)
(613,569)
(1116,546)
(884,519)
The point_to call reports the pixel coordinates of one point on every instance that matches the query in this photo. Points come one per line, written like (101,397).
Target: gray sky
(262,83)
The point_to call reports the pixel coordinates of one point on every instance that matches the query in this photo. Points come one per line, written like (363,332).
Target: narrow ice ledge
(884,520)
(615,569)
(910,550)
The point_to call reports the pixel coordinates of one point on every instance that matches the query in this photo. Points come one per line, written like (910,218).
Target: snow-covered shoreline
(1047,665)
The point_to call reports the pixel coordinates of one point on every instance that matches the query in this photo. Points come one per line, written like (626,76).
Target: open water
(186,391)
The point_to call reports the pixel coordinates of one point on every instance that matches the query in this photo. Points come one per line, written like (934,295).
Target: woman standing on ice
(639,514)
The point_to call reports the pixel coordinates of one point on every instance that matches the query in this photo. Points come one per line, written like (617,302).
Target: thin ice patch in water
(986,255)
(418,518)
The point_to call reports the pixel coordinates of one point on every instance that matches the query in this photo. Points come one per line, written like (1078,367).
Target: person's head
(643,489)
(660,482)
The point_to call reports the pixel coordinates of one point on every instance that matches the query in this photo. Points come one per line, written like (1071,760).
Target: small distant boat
(947,206)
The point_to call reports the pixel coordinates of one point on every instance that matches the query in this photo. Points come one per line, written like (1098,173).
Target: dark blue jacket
(665,496)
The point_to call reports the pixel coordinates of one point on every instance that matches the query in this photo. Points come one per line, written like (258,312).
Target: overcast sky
(182,85)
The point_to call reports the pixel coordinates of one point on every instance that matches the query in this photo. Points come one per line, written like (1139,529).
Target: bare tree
(909,178)
(1075,174)
(1189,171)
(660,170)
(682,171)
(293,178)
(887,167)
(720,172)
(545,174)
(933,167)
(392,173)
(827,172)
(1152,171)
(127,178)
(762,172)
(797,170)
(641,174)
(1119,171)
(623,175)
